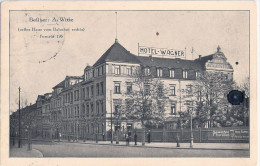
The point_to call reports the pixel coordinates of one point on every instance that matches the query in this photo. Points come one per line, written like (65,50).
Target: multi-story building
(80,106)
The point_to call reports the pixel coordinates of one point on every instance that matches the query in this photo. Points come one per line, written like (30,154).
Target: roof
(170,63)
(75,77)
(203,60)
(60,85)
(117,53)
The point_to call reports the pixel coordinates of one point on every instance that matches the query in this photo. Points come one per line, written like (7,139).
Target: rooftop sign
(161,52)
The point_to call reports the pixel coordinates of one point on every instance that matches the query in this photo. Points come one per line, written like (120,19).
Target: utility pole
(19,140)
(111,116)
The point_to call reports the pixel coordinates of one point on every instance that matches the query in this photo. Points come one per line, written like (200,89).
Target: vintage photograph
(129,83)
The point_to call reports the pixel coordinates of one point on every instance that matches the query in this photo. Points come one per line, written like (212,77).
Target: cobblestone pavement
(65,149)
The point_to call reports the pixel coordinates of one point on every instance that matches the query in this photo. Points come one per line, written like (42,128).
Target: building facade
(84,107)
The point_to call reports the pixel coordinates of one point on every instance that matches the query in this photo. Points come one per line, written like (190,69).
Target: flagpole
(185,53)
(192,52)
(138,50)
(116,25)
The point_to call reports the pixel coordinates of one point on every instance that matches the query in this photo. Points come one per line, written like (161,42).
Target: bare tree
(147,100)
(211,90)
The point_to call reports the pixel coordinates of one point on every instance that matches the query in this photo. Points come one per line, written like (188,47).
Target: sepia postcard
(128,83)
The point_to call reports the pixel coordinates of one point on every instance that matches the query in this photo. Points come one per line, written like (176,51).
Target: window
(92,108)
(117,69)
(101,88)
(172,73)
(71,95)
(129,103)
(196,74)
(102,70)
(102,107)
(160,90)
(199,95)
(97,86)
(189,89)
(116,109)
(147,71)
(128,87)
(87,109)
(159,72)
(173,90)
(129,70)
(173,109)
(117,87)
(92,90)
(93,73)
(184,74)
(83,110)
(97,107)
(78,111)
(87,91)
(117,103)
(146,89)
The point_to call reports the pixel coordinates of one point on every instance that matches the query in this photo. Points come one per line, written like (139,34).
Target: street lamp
(117,130)
(191,132)
(77,130)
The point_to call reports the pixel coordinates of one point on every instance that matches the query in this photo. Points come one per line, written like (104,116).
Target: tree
(146,101)
(211,90)
(239,114)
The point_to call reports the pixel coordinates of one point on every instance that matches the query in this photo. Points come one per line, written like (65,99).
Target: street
(64,149)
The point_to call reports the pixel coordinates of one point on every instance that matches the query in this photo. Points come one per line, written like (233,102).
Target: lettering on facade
(230,134)
(161,52)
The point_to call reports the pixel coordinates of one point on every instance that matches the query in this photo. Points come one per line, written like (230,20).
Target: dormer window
(196,74)
(117,70)
(185,74)
(93,73)
(159,72)
(147,71)
(129,70)
(172,73)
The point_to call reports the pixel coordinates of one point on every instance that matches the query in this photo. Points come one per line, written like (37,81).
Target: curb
(157,146)
(39,152)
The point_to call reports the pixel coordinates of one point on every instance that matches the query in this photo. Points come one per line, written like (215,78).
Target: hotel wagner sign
(174,53)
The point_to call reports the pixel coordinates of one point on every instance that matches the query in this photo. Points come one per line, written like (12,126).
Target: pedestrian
(135,138)
(103,135)
(129,135)
(127,140)
(149,136)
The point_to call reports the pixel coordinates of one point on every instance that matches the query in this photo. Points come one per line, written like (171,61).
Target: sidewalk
(213,146)
(23,152)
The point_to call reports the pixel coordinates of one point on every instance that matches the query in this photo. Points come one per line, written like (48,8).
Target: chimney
(219,49)
(199,57)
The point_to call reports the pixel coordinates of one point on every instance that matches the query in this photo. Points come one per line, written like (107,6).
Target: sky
(73,50)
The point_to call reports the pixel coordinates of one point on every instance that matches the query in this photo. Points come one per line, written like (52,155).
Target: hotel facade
(79,107)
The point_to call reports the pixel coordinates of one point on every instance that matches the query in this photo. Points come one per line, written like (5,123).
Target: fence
(203,135)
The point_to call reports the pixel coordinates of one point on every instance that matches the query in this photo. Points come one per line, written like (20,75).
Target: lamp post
(111,120)
(191,132)
(117,131)
(77,131)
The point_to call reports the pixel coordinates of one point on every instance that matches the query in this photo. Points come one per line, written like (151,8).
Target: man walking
(135,138)
(149,136)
